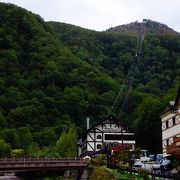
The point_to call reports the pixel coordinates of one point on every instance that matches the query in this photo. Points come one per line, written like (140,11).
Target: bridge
(16,165)
(25,164)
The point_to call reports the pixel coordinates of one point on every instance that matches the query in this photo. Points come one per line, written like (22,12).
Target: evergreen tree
(67,143)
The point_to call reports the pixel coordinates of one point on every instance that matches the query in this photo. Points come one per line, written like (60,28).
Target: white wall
(170,132)
(89,147)
(113,129)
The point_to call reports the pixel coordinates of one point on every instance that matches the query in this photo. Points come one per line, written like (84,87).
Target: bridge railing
(5,161)
(41,159)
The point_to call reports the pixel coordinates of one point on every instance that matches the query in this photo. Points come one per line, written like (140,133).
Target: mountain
(53,75)
(113,53)
(152,27)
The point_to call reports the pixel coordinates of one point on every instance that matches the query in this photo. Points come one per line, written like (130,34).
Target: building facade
(109,132)
(170,120)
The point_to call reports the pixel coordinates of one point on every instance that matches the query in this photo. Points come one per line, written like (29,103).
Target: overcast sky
(103,14)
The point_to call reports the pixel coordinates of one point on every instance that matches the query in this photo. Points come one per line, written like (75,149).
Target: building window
(163,126)
(99,146)
(167,124)
(99,136)
(174,121)
(167,142)
(118,137)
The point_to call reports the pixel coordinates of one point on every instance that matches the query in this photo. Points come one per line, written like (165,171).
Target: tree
(25,137)
(34,150)
(67,143)
(5,148)
(17,152)
(10,136)
(148,124)
(3,121)
(45,137)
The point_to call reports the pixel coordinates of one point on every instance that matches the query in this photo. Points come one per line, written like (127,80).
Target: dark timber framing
(112,127)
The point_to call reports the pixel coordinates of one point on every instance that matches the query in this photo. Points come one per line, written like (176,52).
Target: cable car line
(131,74)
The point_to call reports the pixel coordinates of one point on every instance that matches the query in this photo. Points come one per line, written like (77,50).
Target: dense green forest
(53,75)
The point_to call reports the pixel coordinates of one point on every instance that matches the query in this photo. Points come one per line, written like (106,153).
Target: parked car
(165,164)
(159,158)
(145,159)
(140,165)
(147,166)
(137,166)
(152,157)
(156,166)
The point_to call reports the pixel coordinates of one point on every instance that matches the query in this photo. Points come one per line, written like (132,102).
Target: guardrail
(153,174)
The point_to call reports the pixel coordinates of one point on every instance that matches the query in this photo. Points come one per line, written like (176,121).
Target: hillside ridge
(152,27)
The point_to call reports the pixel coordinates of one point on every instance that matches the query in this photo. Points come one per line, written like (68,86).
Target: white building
(110,131)
(171,127)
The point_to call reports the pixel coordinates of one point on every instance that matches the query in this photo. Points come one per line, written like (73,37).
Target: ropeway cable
(124,82)
(139,49)
(119,93)
(131,73)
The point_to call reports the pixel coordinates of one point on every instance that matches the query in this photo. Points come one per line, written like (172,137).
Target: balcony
(175,147)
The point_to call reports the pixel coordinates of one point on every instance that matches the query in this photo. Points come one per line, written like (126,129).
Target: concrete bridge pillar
(9,176)
(84,174)
(67,174)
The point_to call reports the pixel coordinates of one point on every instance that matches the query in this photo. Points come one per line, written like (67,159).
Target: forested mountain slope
(54,75)
(114,53)
(43,85)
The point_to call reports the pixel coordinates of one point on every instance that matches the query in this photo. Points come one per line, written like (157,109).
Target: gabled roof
(111,118)
(172,104)
(177,101)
